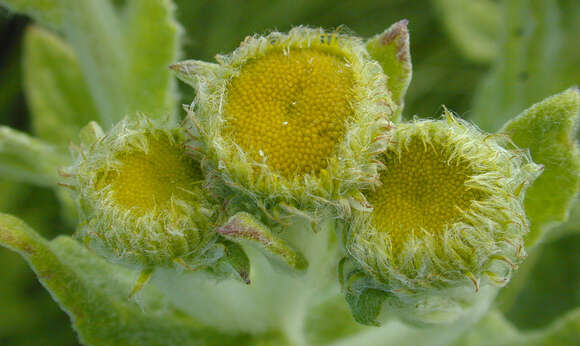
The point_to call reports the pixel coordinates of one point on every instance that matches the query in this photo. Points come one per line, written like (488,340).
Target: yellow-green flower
(294,117)
(141,195)
(449,210)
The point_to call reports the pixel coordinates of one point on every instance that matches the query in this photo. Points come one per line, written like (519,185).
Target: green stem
(276,300)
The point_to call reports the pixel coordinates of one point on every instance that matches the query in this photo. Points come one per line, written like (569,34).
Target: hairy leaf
(151,42)
(57,94)
(391,50)
(548,129)
(95,294)
(124,52)
(27,159)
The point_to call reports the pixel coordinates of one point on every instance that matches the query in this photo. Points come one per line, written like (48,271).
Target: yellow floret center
(423,192)
(151,178)
(289,108)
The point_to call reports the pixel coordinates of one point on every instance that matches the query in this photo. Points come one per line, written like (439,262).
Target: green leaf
(367,306)
(571,226)
(95,295)
(27,159)
(391,50)
(528,68)
(473,25)
(48,12)
(151,42)
(550,289)
(94,31)
(494,329)
(234,264)
(123,53)
(364,299)
(243,228)
(125,56)
(548,129)
(330,321)
(59,100)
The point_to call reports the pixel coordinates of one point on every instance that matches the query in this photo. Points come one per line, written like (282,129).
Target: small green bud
(448,214)
(293,117)
(141,195)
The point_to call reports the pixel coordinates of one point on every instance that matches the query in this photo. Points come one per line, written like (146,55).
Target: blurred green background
(486,60)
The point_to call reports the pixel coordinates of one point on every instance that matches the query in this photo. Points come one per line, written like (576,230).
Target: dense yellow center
(289,108)
(147,181)
(422,191)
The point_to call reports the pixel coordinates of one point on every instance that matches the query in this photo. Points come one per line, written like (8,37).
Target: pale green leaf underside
(473,25)
(56,91)
(391,50)
(95,295)
(548,129)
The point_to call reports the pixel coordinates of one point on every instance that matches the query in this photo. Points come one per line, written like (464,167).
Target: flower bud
(141,195)
(292,117)
(448,214)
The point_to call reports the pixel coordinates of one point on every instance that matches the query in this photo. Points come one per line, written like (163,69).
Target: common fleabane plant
(291,206)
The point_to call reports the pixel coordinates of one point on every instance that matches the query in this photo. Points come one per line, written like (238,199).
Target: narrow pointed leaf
(94,294)
(56,90)
(391,50)
(244,228)
(548,129)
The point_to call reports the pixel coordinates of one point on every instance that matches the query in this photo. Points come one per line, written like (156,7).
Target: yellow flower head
(293,116)
(449,210)
(141,195)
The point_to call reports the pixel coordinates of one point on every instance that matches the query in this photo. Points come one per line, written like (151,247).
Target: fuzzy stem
(276,300)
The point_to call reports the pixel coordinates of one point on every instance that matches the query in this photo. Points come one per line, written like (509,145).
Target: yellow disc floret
(292,119)
(148,179)
(141,195)
(423,190)
(449,209)
(289,108)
